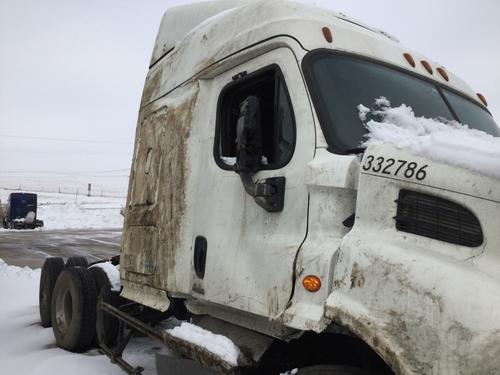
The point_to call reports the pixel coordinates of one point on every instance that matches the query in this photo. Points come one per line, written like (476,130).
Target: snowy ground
(26,348)
(65,211)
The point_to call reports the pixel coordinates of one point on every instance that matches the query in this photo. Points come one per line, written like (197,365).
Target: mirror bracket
(268,193)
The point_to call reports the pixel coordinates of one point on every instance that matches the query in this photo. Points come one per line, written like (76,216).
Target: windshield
(339,83)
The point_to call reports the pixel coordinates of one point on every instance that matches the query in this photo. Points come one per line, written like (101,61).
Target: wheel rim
(64,310)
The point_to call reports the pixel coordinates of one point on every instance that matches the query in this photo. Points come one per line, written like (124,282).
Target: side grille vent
(437,218)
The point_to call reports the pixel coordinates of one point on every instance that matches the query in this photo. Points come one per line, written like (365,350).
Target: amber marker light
(483,99)
(311,283)
(427,66)
(328,34)
(443,74)
(410,59)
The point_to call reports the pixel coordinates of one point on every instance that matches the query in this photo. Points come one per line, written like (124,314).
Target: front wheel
(332,370)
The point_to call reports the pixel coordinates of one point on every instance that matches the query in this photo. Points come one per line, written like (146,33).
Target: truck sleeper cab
(196,231)
(253,210)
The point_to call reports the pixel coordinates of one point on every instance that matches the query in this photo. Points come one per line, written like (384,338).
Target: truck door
(243,252)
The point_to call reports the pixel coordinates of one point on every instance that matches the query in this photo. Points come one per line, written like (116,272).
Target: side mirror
(249,136)
(268,193)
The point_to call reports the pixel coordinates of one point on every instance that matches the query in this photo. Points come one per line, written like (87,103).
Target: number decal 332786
(393,167)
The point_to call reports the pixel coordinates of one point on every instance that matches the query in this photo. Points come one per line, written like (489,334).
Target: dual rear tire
(52,268)
(68,300)
(73,312)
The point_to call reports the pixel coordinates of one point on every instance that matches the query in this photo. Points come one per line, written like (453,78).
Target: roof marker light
(443,74)
(410,59)
(483,99)
(311,283)
(427,66)
(328,34)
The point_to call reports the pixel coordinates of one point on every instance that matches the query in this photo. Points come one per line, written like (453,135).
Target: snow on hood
(436,139)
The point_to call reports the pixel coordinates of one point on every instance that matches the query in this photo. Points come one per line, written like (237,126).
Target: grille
(437,218)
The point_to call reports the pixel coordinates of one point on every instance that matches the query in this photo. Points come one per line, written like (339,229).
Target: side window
(276,125)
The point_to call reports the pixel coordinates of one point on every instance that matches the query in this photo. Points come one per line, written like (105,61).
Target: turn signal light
(427,66)
(410,59)
(311,283)
(328,34)
(443,74)
(483,99)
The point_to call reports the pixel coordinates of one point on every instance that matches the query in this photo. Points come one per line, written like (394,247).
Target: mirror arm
(268,193)
(248,184)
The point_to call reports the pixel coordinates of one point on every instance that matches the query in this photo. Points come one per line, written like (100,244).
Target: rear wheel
(51,269)
(107,326)
(77,262)
(74,309)
(333,370)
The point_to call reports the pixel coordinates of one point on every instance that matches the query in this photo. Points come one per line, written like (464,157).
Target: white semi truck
(253,212)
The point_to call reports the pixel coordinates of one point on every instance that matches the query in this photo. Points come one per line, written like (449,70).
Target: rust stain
(152,85)
(157,189)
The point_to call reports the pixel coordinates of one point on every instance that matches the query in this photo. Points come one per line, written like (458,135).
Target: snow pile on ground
(28,349)
(437,139)
(66,211)
(217,344)
(11,272)
(113,273)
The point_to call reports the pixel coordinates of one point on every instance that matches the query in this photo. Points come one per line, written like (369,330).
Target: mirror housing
(268,193)
(248,136)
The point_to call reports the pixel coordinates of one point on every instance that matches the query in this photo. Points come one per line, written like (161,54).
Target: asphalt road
(31,247)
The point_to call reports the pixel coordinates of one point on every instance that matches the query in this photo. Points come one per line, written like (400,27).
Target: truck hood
(426,305)
(435,173)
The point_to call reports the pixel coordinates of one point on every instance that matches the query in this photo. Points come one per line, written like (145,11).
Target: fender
(422,314)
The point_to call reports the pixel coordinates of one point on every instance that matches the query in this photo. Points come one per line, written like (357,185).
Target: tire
(73,309)
(108,324)
(77,262)
(51,269)
(333,370)
(115,260)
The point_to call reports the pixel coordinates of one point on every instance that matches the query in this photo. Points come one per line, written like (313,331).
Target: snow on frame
(113,274)
(437,139)
(217,344)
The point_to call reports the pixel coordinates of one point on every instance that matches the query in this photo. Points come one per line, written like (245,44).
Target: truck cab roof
(194,38)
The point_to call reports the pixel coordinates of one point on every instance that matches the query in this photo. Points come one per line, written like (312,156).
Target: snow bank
(113,274)
(14,272)
(217,344)
(26,348)
(437,139)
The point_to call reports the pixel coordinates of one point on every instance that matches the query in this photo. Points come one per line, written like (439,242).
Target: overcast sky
(74,70)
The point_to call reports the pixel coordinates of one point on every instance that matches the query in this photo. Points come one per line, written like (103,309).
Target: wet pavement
(31,247)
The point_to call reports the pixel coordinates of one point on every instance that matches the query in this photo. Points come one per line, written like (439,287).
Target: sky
(72,72)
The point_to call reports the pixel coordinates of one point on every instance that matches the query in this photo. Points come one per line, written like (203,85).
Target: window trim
(316,99)
(279,78)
